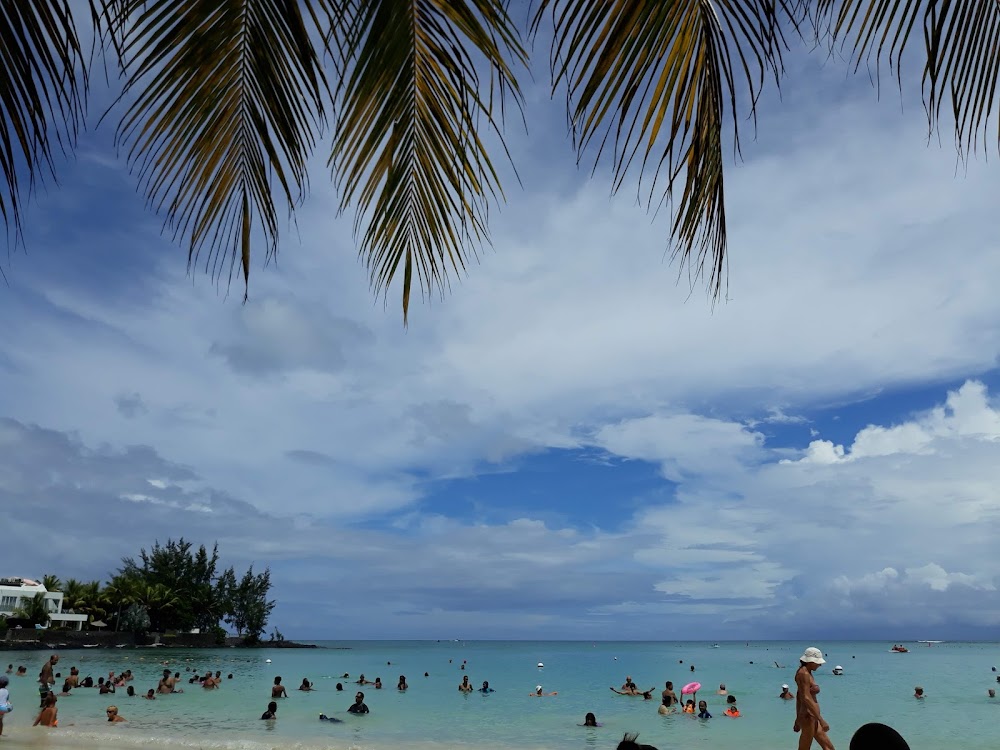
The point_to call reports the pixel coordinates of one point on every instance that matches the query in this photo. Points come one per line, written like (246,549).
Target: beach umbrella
(98,624)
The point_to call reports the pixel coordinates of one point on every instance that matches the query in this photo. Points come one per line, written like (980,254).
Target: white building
(15,592)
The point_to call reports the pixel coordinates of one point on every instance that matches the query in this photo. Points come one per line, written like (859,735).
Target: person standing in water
(5,707)
(808,719)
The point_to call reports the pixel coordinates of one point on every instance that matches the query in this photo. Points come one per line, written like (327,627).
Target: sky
(571,443)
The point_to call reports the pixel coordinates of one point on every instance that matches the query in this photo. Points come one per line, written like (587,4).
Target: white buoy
(540,665)
(267,661)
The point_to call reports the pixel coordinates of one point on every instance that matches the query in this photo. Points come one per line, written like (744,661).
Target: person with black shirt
(271,712)
(358,707)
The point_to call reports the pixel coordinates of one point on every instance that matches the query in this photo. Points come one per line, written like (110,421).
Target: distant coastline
(63,640)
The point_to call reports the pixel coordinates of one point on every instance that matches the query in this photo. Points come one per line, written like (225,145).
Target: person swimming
(590,721)
(703,710)
(331,719)
(486,688)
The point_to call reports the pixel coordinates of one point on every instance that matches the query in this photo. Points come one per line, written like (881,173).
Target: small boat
(900,649)
(121,645)
(715,645)
(91,645)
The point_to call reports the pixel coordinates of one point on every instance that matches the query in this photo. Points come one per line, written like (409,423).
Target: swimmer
(629,743)
(339,686)
(464,685)
(668,695)
(49,715)
(306,685)
(150,695)
(378,683)
(539,694)
(113,715)
(918,692)
(486,688)
(703,710)
(689,706)
(271,713)
(65,689)
(332,719)
(785,694)
(808,719)
(722,690)
(358,707)
(991,693)
(277,690)
(362,681)
(402,683)
(590,721)
(732,711)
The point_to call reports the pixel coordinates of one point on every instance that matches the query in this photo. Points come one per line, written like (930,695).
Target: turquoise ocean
(877,686)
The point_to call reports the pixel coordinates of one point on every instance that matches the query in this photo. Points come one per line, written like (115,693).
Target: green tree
(249,606)
(188,574)
(52,583)
(221,111)
(34,609)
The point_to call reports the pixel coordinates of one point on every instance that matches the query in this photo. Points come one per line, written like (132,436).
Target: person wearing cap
(785,695)
(808,719)
(539,694)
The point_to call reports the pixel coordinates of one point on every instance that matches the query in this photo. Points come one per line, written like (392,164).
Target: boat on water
(899,648)
(91,645)
(715,645)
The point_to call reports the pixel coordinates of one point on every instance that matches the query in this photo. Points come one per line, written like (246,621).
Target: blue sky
(570,444)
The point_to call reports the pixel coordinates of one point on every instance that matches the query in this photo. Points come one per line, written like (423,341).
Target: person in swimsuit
(306,685)
(277,689)
(358,707)
(271,713)
(49,715)
(808,719)
(785,695)
(486,688)
(113,715)
(703,710)
(465,687)
(689,707)
(590,721)
(402,683)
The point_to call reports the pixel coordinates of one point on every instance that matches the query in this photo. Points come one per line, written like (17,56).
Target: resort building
(15,592)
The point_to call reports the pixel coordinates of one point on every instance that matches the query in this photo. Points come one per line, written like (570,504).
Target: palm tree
(35,610)
(224,101)
(51,583)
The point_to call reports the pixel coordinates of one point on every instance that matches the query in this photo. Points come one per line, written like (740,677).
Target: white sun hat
(813,655)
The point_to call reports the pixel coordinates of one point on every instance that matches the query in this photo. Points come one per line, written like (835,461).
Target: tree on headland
(249,607)
(221,111)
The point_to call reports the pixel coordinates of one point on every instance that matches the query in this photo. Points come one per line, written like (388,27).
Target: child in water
(689,707)
(703,710)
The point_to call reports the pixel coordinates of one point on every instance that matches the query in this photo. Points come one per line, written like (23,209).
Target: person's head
(918,691)
(590,720)
(690,702)
(54,659)
(465,680)
(784,689)
(272,707)
(812,659)
(702,706)
(4,681)
(378,680)
(166,672)
(50,699)
(305,682)
(74,670)
(361,676)
(486,685)
(427,674)
(629,742)
(100,680)
(670,685)
(722,686)
(229,676)
(359,697)
(731,699)
(112,712)
(130,691)
(628,679)
(340,686)
(217,674)
(538,689)
(992,693)
(692,667)
(277,680)
(402,679)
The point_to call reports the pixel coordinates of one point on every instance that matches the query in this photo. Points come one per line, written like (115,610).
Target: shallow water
(878,686)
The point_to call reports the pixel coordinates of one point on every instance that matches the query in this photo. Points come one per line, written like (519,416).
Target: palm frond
(227,103)
(42,95)
(650,84)
(418,94)
(961,40)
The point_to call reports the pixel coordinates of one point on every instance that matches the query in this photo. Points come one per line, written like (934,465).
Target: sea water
(877,686)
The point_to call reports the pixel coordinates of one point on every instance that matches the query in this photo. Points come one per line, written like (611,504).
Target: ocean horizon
(877,685)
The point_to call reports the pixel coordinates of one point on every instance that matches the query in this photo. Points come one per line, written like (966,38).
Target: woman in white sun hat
(808,719)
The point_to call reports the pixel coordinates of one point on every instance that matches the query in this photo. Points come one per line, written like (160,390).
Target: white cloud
(313,407)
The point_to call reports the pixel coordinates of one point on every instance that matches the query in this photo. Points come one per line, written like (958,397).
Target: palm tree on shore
(224,102)
(51,583)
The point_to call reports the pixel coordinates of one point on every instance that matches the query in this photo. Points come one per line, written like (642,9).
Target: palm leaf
(408,145)
(226,102)
(961,40)
(42,95)
(650,84)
